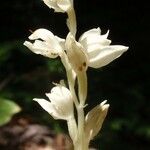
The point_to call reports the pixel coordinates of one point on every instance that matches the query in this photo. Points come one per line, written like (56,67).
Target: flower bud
(94,120)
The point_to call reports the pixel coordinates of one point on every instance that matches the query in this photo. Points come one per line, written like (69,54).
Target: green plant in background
(91,50)
(7,109)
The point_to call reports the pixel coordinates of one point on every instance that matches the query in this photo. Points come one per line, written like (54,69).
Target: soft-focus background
(124,83)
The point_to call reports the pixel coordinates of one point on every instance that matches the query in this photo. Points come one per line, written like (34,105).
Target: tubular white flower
(59,5)
(45,43)
(60,105)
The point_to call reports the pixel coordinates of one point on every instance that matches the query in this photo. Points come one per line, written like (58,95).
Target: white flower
(60,105)
(96,47)
(59,5)
(45,43)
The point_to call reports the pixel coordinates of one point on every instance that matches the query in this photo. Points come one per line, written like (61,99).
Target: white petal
(103,103)
(42,48)
(29,45)
(63,107)
(98,40)
(50,46)
(43,34)
(58,89)
(38,48)
(53,4)
(59,101)
(76,54)
(48,36)
(61,42)
(64,4)
(60,95)
(64,113)
(92,37)
(46,105)
(107,55)
(95,31)
(50,108)
(55,98)
(50,3)
(94,50)
(65,91)
(49,49)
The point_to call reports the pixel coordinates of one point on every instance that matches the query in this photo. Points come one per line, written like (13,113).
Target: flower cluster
(92,49)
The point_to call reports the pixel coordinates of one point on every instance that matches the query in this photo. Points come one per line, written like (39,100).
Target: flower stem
(72,128)
(71,21)
(80,112)
(71,82)
(82,91)
(79,143)
(71,77)
(82,86)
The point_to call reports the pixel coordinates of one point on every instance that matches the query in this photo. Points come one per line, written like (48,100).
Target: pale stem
(71,82)
(72,128)
(78,141)
(82,87)
(82,93)
(70,76)
(80,112)
(71,22)
(71,122)
(84,146)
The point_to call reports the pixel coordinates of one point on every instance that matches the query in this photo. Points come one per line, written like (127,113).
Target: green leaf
(7,109)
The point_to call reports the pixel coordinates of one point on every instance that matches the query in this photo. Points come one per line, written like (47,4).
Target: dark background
(124,83)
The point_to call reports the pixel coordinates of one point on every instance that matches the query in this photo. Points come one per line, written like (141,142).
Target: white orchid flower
(96,47)
(45,43)
(60,105)
(59,5)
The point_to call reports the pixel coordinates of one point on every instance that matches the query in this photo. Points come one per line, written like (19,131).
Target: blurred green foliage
(124,83)
(7,109)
